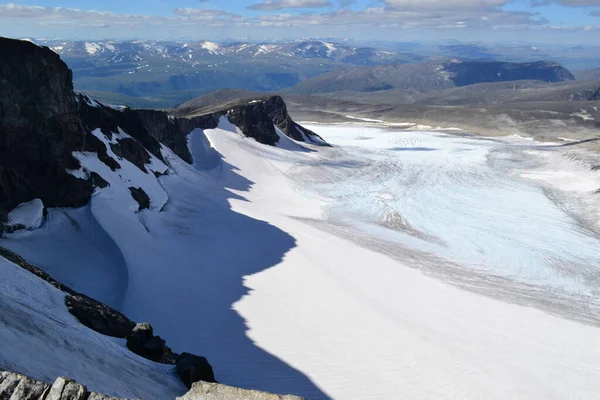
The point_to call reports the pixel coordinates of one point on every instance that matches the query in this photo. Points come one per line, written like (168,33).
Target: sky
(525,21)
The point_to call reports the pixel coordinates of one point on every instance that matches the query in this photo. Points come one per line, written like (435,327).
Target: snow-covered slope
(304,269)
(42,340)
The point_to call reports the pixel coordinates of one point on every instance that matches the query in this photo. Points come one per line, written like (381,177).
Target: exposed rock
(141,197)
(216,391)
(8,383)
(99,317)
(254,121)
(98,181)
(97,396)
(133,151)
(142,341)
(39,129)
(193,368)
(67,389)
(29,389)
(277,111)
(255,117)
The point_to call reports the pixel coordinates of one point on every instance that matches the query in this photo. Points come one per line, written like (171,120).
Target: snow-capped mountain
(131,51)
(168,73)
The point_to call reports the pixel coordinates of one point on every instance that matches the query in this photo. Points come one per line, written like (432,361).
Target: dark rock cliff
(39,129)
(256,117)
(43,121)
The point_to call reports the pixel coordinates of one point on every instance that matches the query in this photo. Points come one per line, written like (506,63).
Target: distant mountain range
(172,72)
(163,74)
(430,76)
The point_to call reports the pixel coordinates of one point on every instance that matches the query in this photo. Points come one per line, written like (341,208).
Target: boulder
(18,387)
(193,368)
(216,391)
(99,317)
(142,342)
(28,389)
(8,383)
(67,389)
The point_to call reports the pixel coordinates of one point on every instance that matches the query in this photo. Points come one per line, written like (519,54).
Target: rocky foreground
(18,387)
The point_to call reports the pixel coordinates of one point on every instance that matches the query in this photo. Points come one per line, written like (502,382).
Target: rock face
(192,369)
(39,128)
(43,121)
(99,317)
(258,120)
(215,391)
(141,341)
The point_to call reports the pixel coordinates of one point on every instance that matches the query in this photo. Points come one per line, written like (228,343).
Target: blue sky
(535,21)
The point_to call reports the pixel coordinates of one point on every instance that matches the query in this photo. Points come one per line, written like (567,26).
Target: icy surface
(464,200)
(40,339)
(28,215)
(341,272)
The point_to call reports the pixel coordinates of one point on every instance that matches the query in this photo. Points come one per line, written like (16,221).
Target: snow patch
(128,176)
(28,215)
(92,48)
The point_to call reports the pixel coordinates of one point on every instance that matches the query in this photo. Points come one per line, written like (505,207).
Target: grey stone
(98,396)
(74,391)
(216,391)
(28,389)
(66,389)
(10,381)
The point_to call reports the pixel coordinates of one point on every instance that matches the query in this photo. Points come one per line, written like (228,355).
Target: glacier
(333,272)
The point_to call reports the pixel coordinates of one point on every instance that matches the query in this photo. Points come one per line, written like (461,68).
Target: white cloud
(384,21)
(579,3)
(283,4)
(444,4)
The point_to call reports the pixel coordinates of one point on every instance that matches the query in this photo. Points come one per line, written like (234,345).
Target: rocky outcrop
(43,121)
(141,341)
(193,369)
(99,317)
(141,197)
(15,386)
(39,129)
(215,391)
(18,387)
(256,117)
(595,96)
